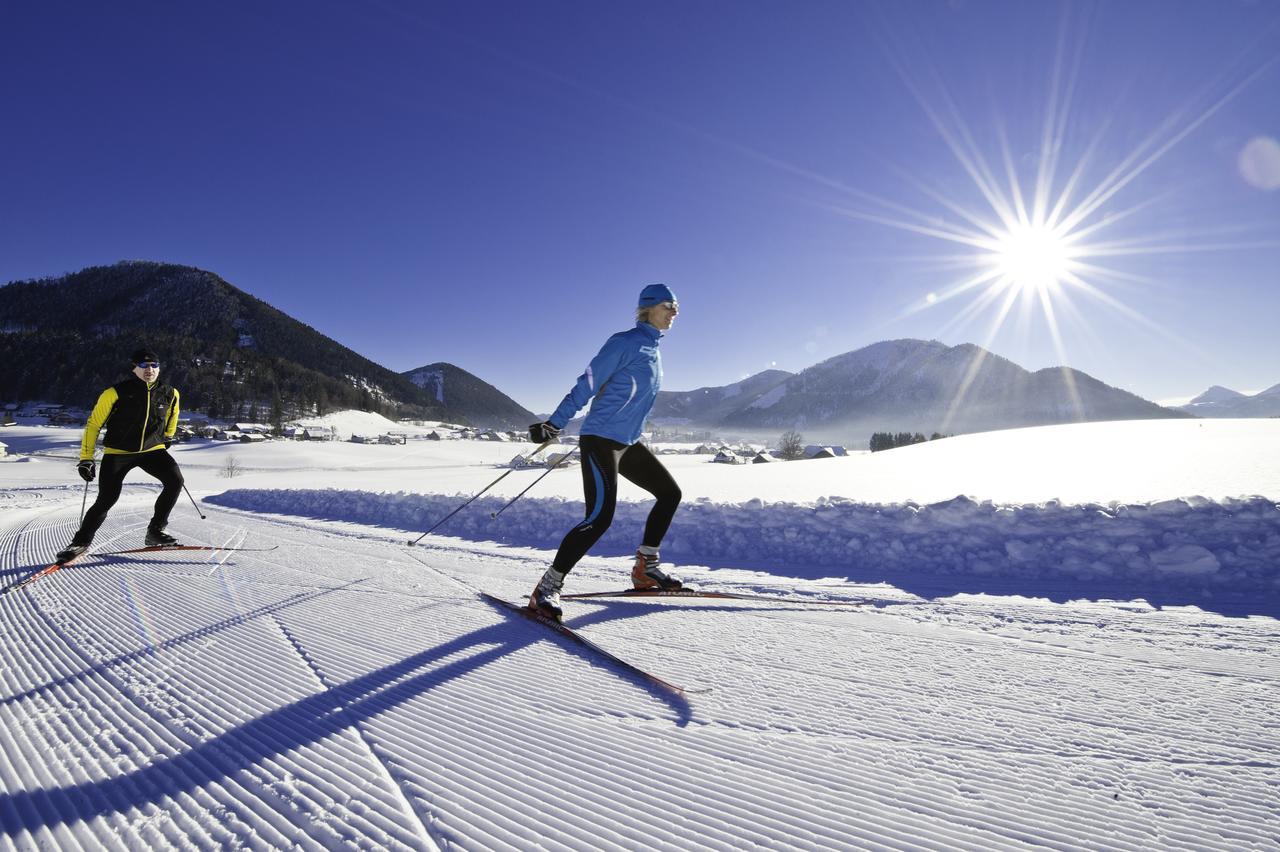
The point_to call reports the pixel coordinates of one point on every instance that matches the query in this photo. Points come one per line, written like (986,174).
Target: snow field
(342,691)
(124,699)
(345,691)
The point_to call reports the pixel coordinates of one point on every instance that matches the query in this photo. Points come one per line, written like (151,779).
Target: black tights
(111,475)
(602,461)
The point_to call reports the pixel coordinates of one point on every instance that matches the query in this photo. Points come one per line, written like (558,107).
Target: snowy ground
(1100,674)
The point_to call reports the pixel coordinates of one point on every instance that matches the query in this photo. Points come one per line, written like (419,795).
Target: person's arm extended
(98,417)
(604,365)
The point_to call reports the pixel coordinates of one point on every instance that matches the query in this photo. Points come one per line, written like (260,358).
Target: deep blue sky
(491,184)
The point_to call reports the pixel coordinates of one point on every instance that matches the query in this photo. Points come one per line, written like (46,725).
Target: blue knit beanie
(655,294)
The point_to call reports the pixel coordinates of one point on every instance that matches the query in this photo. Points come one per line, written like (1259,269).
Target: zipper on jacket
(146,418)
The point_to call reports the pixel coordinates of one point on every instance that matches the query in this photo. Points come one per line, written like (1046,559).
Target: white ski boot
(545,599)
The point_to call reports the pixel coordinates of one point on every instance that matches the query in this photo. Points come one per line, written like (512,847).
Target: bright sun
(1032,258)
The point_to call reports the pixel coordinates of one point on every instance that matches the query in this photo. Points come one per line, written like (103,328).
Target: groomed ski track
(347,692)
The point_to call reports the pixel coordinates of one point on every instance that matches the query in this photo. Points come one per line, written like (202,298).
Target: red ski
(577,638)
(31,578)
(160,548)
(696,593)
(49,569)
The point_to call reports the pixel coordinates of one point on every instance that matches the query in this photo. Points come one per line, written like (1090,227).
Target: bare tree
(230,468)
(791,445)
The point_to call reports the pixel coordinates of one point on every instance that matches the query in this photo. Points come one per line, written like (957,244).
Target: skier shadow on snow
(678,703)
(17,572)
(54,687)
(20,572)
(303,723)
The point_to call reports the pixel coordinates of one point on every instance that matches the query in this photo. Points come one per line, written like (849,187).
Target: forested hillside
(231,354)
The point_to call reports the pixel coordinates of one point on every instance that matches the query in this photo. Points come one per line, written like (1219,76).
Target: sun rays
(1038,236)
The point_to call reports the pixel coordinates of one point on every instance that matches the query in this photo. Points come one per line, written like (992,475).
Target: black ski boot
(71,551)
(159,538)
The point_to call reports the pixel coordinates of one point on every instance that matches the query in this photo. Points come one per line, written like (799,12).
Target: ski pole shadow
(176,642)
(297,725)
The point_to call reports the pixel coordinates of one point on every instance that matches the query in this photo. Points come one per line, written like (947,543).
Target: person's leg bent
(163,467)
(111,475)
(640,466)
(600,490)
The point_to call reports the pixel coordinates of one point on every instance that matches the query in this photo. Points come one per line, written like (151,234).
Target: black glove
(87,469)
(168,442)
(542,432)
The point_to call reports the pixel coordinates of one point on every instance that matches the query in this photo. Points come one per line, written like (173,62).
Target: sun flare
(1032,258)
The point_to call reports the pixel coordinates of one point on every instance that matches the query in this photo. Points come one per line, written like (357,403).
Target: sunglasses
(148,365)
(671,306)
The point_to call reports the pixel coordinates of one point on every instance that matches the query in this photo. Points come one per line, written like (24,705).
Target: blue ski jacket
(623,380)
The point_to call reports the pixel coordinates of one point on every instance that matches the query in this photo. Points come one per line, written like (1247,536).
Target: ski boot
(159,538)
(648,574)
(71,551)
(545,599)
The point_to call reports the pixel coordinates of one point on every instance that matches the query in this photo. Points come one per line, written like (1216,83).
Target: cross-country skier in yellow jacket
(140,415)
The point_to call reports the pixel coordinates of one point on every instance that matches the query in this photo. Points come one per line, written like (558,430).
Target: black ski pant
(602,462)
(111,475)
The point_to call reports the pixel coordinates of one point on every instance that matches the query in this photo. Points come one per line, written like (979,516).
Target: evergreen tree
(277,411)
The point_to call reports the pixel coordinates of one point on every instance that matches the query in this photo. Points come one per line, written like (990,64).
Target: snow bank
(1232,544)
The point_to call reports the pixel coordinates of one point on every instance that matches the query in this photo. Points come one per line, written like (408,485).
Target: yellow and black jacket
(139,418)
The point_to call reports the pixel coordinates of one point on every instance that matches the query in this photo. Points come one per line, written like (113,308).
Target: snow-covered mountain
(916,385)
(1218,401)
(713,404)
(1217,394)
(467,396)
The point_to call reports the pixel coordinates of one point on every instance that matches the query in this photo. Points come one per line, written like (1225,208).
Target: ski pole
(83,500)
(193,502)
(414,541)
(559,462)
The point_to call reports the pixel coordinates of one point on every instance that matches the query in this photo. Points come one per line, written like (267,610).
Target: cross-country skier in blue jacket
(621,383)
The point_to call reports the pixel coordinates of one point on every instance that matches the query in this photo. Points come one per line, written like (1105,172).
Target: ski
(160,548)
(577,638)
(49,569)
(695,593)
(31,578)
